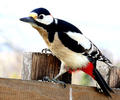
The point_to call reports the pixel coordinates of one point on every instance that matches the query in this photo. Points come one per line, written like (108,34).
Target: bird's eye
(41,16)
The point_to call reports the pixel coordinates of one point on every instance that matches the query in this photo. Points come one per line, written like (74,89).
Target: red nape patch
(87,69)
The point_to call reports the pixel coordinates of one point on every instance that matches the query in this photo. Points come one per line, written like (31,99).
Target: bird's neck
(43,33)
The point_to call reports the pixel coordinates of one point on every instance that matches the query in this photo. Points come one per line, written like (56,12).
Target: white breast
(70,58)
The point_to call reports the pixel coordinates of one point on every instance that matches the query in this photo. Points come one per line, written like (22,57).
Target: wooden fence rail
(37,65)
(11,89)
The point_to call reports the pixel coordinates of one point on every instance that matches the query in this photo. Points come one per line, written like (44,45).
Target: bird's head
(39,17)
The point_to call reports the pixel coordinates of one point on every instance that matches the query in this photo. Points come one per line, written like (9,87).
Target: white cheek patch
(46,20)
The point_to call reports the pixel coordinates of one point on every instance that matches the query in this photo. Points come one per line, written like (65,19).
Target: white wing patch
(80,38)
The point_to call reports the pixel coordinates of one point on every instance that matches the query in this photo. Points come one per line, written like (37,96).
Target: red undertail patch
(87,69)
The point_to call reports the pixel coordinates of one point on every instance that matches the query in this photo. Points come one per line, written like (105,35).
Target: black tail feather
(104,82)
(104,86)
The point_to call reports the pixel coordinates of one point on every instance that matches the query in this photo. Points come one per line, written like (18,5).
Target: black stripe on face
(70,43)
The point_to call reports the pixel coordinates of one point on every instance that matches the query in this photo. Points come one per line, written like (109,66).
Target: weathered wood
(38,65)
(11,89)
(27,63)
(104,69)
(111,75)
(114,78)
(44,65)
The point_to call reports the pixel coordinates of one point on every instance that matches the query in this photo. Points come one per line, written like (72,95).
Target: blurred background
(99,20)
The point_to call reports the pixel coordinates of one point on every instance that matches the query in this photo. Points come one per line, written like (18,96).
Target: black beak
(28,20)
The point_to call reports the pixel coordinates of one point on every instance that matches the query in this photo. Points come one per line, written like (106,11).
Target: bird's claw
(60,82)
(46,50)
(46,78)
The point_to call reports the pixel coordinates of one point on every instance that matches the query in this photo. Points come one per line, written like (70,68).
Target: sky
(99,20)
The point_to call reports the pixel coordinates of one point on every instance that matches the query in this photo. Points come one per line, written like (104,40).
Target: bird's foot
(46,78)
(60,82)
(46,50)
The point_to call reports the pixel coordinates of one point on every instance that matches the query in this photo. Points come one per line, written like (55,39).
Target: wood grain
(38,65)
(114,78)
(11,89)
(47,65)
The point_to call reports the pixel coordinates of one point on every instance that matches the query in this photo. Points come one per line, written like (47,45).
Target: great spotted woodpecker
(69,45)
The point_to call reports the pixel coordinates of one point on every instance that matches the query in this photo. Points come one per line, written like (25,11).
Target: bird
(69,45)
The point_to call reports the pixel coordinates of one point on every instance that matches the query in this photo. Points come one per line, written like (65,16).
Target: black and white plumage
(69,45)
(80,43)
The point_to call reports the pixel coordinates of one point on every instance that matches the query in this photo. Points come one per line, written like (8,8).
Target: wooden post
(114,78)
(104,69)
(43,65)
(27,65)
(38,65)
(111,75)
